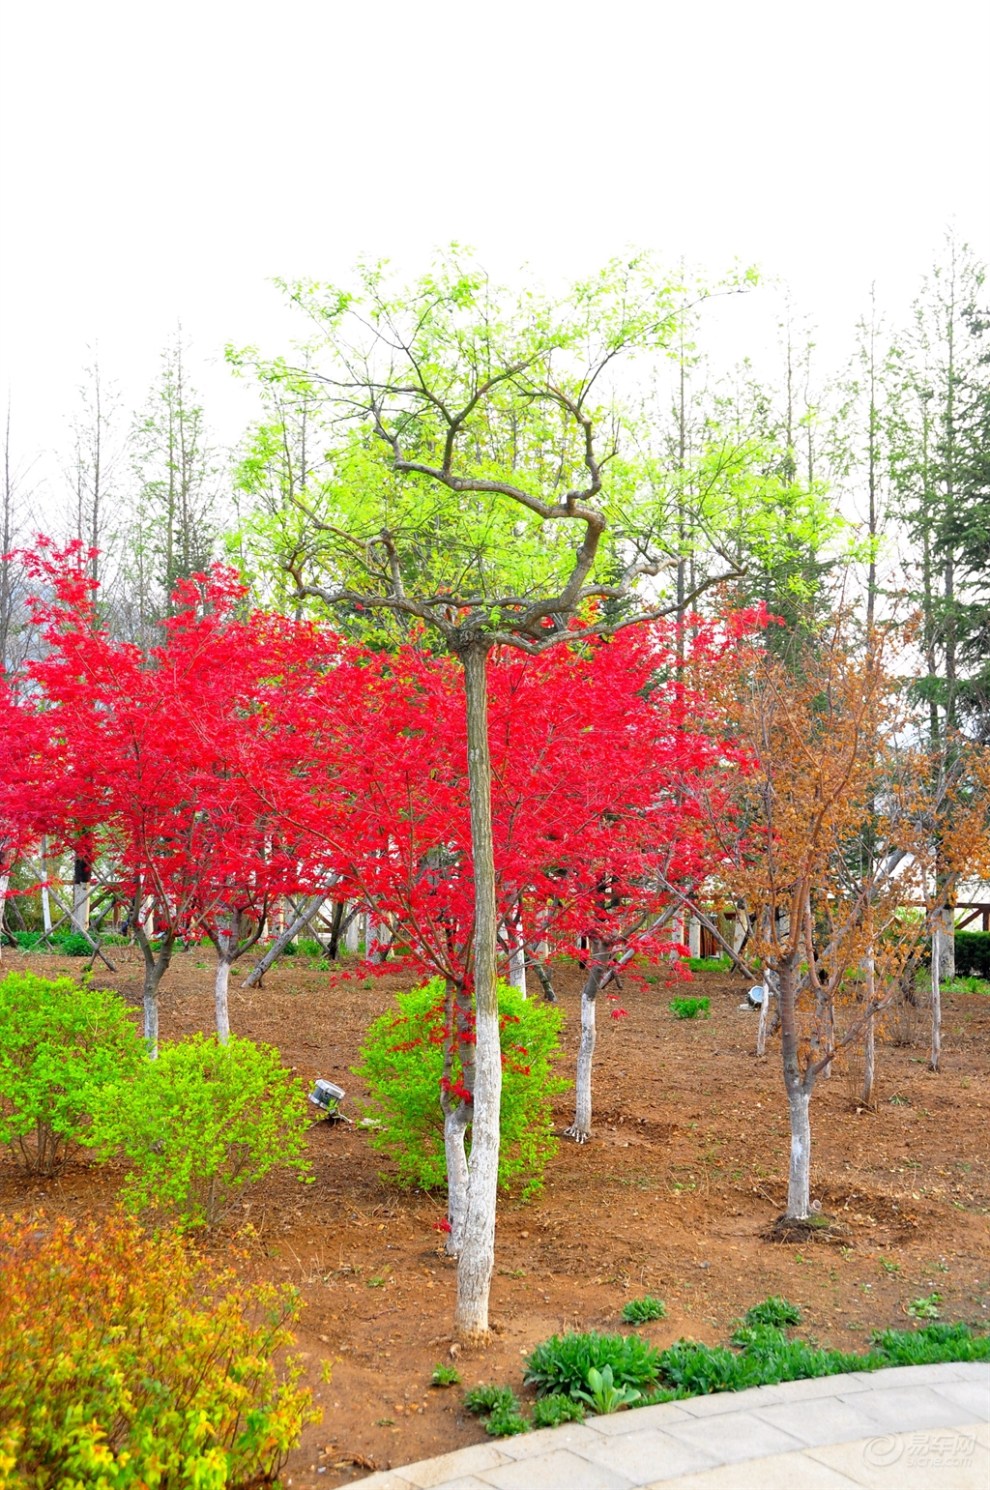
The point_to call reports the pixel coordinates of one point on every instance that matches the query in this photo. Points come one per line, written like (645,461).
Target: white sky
(161,162)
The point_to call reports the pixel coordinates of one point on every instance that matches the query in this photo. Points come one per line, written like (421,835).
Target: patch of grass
(639,1311)
(774,1310)
(445,1376)
(689,1008)
(710,964)
(550,1412)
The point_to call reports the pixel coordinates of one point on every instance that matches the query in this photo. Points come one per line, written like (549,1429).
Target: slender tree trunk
(455,1123)
(798,1099)
(517,951)
(220,999)
(477,1255)
(771,989)
(580,1129)
(869,1038)
(80,894)
(4,882)
(156,965)
(46,904)
(936,1050)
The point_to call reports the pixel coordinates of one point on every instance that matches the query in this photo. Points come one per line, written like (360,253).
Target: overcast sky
(162,162)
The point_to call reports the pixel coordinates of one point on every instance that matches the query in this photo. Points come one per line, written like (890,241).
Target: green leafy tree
(476,487)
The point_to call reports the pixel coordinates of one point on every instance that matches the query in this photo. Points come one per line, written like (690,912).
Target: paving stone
(387,1479)
(919,1406)
(576,1436)
(972,1396)
(558,1470)
(937,1459)
(781,1472)
(735,1436)
(822,1420)
(651,1454)
(445,1468)
(639,1419)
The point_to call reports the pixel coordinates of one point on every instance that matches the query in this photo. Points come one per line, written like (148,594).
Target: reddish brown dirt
(674,1196)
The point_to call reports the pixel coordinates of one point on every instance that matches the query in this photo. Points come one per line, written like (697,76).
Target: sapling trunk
(580,1129)
(221,1000)
(4,882)
(798,1088)
(517,953)
(477,1255)
(869,1037)
(936,1049)
(156,965)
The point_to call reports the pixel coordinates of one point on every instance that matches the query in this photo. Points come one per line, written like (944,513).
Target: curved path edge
(913,1427)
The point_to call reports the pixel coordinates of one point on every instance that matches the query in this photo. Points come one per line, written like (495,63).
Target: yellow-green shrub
(127,1363)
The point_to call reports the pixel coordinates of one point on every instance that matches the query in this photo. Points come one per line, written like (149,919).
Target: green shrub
(402,1063)
(973,953)
(721,964)
(489,1398)
(550,1412)
(604,1395)
(639,1311)
(73,945)
(201,1123)
(774,1310)
(60,1046)
(506,1423)
(689,1008)
(930,1344)
(562,1363)
(310,947)
(126,1363)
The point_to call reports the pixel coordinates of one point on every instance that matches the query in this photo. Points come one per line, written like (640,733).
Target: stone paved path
(906,1428)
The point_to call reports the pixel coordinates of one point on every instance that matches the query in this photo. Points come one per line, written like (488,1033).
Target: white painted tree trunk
(582,1125)
(80,905)
(799,1172)
(936,1050)
(476,1260)
(221,1001)
(455,1153)
(869,1037)
(4,882)
(46,902)
(946,925)
(694,937)
(762,1029)
(517,954)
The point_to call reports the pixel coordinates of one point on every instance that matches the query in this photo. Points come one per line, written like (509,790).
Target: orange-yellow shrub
(127,1363)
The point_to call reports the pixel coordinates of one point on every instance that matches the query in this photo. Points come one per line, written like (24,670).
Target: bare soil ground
(674,1196)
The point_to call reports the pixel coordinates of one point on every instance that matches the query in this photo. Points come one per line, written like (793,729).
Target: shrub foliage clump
(201,1123)
(562,1363)
(126,1363)
(61,1046)
(402,1061)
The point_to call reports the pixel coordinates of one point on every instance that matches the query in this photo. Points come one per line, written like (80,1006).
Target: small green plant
(603,1394)
(445,1376)
(402,1061)
(506,1424)
(689,1008)
(926,1307)
(562,1363)
(889,1265)
(550,1412)
(488,1398)
(775,1311)
(720,964)
(61,1045)
(202,1123)
(640,1311)
(127,1362)
(74,945)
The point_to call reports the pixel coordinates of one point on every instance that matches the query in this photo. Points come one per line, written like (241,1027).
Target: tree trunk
(80,894)
(870,1036)
(46,904)
(517,952)
(220,999)
(771,987)
(936,1051)
(477,1255)
(155,967)
(580,1129)
(798,1099)
(4,882)
(455,1122)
